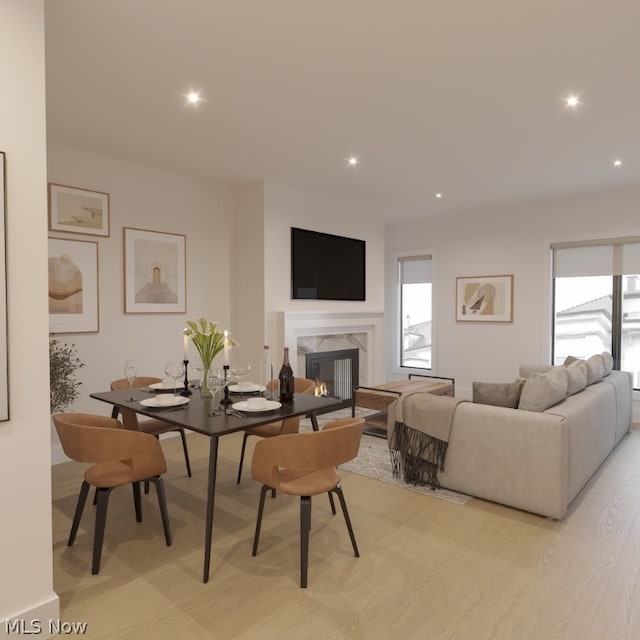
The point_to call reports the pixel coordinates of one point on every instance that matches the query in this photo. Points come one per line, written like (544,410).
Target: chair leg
(256,537)
(82,499)
(164,514)
(343,504)
(98,536)
(332,503)
(305,527)
(244,444)
(186,451)
(137,501)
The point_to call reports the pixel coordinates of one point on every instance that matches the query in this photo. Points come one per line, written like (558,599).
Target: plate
(246,387)
(174,402)
(269,405)
(165,384)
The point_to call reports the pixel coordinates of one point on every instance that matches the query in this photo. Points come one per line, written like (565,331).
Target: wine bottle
(285,378)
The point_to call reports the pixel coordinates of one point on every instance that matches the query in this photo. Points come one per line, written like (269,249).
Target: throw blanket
(418,432)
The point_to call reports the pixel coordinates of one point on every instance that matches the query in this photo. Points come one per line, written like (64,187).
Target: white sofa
(537,461)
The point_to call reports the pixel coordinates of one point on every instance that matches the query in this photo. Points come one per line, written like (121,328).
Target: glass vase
(205,389)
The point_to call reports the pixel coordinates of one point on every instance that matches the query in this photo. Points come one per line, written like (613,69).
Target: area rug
(373,461)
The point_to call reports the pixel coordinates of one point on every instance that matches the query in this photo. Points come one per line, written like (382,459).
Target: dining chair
(288,425)
(305,465)
(154,427)
(118,457)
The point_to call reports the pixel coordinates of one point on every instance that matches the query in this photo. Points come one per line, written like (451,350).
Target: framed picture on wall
(78,210)
(484,299)
(154,272)
(73,286)
(4,360)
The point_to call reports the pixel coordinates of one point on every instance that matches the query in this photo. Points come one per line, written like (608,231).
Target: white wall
(26,586)
(511,240)
(285,208)
(145,198)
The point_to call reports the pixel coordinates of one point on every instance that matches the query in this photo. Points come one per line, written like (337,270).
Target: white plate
(173,402)
(269,405)
(246,387)
(165,384)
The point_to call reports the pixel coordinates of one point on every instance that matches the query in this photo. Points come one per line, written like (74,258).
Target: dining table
(201,416)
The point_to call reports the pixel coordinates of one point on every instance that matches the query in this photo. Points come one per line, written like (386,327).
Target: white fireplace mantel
(297,324)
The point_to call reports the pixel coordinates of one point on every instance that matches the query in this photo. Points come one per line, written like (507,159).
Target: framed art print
(73,286)
(484,299)
(78,210)
(4,359)
(154,272)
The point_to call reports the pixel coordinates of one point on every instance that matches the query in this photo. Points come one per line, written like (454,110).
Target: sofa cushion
(577,377)
(498,394)
(607,359)
(595,369)
(542,390)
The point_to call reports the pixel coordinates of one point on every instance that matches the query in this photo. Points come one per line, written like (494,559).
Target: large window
(414,288)
(597,302)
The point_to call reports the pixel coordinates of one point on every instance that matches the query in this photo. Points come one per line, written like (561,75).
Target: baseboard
(42,620)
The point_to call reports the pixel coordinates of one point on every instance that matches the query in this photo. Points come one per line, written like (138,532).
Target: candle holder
(186,391)
(226,401)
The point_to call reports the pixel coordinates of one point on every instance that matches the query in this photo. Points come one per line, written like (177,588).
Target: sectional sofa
(538,452)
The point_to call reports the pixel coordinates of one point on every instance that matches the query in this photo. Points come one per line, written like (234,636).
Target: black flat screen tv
(327,267)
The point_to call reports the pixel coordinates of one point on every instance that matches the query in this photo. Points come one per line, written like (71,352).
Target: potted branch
(63,366)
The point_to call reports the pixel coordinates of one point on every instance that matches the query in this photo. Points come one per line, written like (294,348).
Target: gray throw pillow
(498,394)
(542,390)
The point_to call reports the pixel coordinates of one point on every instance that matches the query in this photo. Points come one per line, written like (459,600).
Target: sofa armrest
(517,458)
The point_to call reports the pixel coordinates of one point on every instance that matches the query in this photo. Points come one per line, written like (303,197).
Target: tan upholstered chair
(119,457)
(154,427)
(290,425)
(305,465)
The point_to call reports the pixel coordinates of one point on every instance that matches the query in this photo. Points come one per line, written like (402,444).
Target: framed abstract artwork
(484,299)
(4,360)
(154,272)
(78,210)
(73,286)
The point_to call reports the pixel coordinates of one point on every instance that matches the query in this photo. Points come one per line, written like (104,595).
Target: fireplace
(337,370)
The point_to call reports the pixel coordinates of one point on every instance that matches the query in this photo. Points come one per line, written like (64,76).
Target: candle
(226,347)
(186,347)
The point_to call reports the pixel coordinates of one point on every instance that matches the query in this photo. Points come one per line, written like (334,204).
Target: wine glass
(216,384)
(130,373)
(174,370)
(241,370)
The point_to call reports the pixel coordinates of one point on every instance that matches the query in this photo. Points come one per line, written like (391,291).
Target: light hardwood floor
(428,569)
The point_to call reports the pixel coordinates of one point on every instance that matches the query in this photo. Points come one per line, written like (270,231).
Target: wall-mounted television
(327,267)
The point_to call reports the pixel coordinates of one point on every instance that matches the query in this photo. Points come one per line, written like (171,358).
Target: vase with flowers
(209,342)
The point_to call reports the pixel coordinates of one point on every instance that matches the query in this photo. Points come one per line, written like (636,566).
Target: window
(414,278)
(597,302)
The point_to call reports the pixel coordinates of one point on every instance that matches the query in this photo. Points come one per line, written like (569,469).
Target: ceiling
(459,97)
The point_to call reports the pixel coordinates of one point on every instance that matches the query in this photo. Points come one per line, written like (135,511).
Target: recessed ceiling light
(617,163)
(193,98)
(438,195)
(352,161)
(572,101)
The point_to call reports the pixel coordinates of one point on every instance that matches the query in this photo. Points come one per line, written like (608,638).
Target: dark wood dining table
(197,415)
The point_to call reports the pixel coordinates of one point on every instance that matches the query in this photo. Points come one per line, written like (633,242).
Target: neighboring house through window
(597,301)
(414,289)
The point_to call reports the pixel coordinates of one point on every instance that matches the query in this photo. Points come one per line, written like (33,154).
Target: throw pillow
(570,360)
(577,377)
(498,394)
(542,390)
(595,369)
(607,358)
